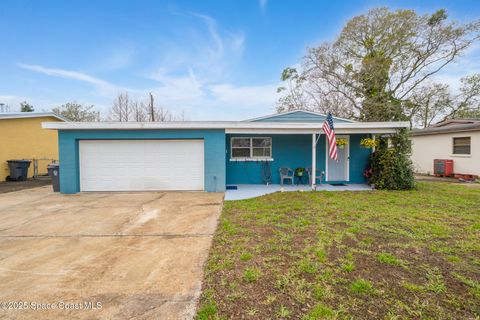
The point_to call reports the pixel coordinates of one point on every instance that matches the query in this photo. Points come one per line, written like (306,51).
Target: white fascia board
(308,131)
(228,126)
(134,125)
(23,115)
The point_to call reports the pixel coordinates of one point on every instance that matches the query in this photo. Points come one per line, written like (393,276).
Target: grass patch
(435,281)
(245,256)
(348,266)
(207,310)
(320,311)
(474,285)
(347,255)
(361,286)
(283,312)
(388,258)
(251,274)
(307,265)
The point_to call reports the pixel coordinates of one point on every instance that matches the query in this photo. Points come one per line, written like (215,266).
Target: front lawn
(342,255)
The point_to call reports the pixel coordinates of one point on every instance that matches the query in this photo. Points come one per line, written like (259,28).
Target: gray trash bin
(54,173)
(18,170)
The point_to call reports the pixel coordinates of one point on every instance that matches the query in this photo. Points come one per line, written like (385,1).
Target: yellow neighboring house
(22,137)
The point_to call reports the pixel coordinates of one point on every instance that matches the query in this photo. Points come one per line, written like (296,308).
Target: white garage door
(136,165)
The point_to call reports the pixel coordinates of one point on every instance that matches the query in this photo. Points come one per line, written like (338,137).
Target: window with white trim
(251,147)
(461,145)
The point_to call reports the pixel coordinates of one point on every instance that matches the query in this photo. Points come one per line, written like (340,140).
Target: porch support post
(373,137)
(314,160)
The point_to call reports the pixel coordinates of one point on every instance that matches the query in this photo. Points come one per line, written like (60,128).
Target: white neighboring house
(457,140)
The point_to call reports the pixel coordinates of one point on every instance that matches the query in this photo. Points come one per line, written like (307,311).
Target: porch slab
(247,191)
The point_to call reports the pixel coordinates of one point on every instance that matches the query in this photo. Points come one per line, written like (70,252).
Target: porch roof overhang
(234,126)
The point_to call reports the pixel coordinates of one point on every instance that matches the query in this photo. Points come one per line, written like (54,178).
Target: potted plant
(299,172)
(341,143)
(368,143)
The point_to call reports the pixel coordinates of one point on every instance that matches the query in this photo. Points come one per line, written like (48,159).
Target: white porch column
(314,160)
(373,137)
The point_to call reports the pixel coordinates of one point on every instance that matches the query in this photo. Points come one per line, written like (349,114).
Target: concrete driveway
(104,255)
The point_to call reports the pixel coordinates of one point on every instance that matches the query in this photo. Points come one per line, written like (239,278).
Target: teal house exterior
(209,155)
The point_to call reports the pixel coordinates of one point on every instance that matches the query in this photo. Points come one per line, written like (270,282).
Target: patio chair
(318,175)
(286,174)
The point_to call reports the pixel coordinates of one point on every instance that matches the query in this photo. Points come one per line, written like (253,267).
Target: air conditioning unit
(443,167)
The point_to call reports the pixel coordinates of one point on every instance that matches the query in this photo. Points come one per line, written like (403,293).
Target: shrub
(391,168)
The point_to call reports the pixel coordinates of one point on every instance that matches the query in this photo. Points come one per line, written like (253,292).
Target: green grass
(342,255)
(307,265)
(283,312)
(348,266)
(206,311)
(474,285)
(245,256)
(251,274)
(387,258)
(435,282)
(361,286)
(320,311)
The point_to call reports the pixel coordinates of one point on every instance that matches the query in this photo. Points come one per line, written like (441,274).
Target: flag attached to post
(330,133)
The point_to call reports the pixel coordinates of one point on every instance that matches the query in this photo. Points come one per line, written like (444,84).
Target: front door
(337,170)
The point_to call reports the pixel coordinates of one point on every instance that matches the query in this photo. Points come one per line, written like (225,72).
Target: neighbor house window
(461,145)
(254,148)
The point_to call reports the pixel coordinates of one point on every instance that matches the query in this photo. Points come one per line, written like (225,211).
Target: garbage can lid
(22,161)
(53,166)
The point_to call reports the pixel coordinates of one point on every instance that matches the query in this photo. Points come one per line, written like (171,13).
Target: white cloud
(192,72)
(102,85)
(212,30)
(244,97)
(119,58)
(263,4)
(196,78)
(218,101)
(200,99)
(208,51)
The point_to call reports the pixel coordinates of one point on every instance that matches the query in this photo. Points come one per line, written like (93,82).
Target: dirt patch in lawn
(327,255)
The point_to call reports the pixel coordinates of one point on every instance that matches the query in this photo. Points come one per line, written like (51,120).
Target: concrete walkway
(247,191)
(129,255)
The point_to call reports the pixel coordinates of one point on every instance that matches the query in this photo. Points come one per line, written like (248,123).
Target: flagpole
(314,161)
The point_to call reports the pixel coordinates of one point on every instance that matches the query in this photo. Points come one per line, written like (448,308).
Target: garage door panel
(136,165)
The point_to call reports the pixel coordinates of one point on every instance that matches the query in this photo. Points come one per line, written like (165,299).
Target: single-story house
(207,155)
(22,137)
(457,140)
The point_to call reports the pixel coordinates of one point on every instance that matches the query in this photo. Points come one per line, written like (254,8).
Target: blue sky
(217,60)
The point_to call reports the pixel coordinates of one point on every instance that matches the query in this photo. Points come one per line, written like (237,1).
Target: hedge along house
(206,155)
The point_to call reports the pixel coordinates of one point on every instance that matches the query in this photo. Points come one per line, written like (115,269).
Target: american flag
(330,133)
